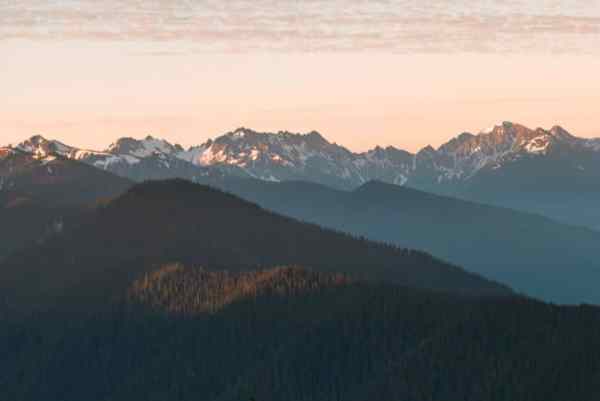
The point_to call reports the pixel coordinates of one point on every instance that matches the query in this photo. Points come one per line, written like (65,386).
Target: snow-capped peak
(463,156)
(41,147)
(142,148)
(243,147)
(285,155)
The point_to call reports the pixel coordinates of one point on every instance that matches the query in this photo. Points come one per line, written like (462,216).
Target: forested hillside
(289,333)
(177,291)
(177,221)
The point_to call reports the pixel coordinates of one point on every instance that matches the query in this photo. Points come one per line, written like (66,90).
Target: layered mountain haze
(533,254)
(507,164)
(178,290)
(299,200)
(177,221)
(175,290)
(544,171)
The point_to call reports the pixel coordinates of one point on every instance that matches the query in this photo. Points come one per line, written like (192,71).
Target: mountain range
(534,255)
(46,185)
(175,290)
(550,172)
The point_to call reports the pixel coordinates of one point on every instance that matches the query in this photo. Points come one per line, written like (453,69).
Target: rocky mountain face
(278,156)
(286,156)
(139,160)
(549,172)
(466,155)
(497,165)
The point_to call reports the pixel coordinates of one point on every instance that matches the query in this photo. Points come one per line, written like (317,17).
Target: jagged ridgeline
(550,172)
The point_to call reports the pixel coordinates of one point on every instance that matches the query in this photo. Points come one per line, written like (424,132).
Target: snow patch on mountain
(81,154)
(40,147)
(105,161)
(142,148)
(284,156)
(258,152)
(538,145)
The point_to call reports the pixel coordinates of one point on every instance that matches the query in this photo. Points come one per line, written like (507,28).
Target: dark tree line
(183,333)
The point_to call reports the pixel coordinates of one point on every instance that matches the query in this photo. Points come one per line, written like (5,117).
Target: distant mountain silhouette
(533,254)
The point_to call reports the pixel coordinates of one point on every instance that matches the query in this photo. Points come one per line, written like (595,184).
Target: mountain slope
(26,221)
(532,254)
(40,194)
(177,221)
(265,307)
(185,333)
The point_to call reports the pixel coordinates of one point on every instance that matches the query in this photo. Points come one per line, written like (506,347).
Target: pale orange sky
(88,88)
